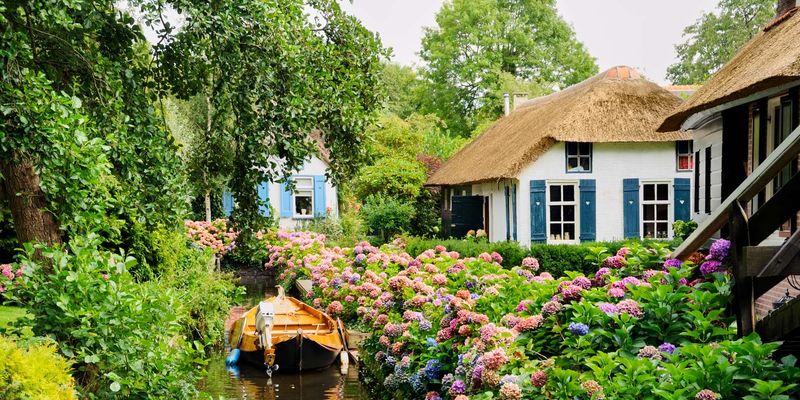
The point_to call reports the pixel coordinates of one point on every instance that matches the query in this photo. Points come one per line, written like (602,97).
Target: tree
(274,72)
(82,147)
(715,38)
(404,89)
(476,41)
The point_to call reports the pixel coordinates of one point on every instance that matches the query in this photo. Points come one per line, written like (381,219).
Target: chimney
(506,105)
(519,98)
(784,6)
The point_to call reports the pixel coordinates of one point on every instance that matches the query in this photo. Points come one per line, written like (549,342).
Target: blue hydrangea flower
(508,379)
(668,348)
(578,328)
(433,369)
(416,383)
(354,278)
(431,342)
(390,361)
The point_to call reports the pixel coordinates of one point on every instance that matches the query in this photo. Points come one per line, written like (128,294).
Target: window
(304,197)
(579,157)
(655,210)
(708,180)
(562,212)
(697,184)
(685,160)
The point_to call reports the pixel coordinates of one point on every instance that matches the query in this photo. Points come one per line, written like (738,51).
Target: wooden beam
(780,208)
(763,175)
(744,300)
(780,322)
(786,261)
(756,257)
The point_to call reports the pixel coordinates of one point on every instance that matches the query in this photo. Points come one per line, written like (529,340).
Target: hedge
(554,259)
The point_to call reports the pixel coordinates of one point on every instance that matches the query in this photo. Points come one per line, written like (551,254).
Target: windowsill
(563,242)
(579,172)
(303,217)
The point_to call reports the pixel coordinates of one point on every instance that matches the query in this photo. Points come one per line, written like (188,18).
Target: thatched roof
(617,105)
(769,59)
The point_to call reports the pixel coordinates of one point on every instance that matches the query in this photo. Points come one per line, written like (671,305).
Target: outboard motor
(265,318)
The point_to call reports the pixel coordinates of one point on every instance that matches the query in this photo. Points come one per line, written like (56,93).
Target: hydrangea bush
(446,327)
(214,235)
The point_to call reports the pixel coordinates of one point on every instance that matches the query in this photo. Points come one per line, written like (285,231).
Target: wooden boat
(283,332)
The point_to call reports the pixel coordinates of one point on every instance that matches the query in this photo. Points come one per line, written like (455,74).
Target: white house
(314,195)
(583,164)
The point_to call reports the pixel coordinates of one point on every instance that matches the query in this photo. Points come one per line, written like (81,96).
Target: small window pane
(649,192)
(649,212)
(572,163)
(649,229)
(569,213)
(585,149)
(303,183)
(555,229)
(569,193)
(555,213)
(302,204)
(555,193)
(586,164)
(663,191)
(685,162)
(569,232)
(662,211)
(662,231)
(572,149)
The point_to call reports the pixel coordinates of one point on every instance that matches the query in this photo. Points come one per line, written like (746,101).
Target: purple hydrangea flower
(711,266)
(668,348)
(719,250)
(579,328)
(458,387)
(672,263)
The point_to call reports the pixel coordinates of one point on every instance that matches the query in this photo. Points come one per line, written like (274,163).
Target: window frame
(575,203)
(655,202)
(678,156)
(579,155)
(298,189)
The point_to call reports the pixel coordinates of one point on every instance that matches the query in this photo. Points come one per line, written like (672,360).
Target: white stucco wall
(611,163)
(312,167)
(708,135)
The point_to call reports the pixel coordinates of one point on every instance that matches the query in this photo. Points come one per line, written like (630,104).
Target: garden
(445,326)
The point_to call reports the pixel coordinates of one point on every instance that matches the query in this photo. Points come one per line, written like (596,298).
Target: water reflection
(252,384)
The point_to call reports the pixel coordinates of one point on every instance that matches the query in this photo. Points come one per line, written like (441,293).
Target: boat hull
(295,356)
(302,338)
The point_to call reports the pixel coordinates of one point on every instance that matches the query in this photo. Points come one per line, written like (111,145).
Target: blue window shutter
(286,201)
(263,198)
(227,203)
(538,204)
(588,207)
(508,213)
(514,211)
(682,199)
(630,207)
(319,196)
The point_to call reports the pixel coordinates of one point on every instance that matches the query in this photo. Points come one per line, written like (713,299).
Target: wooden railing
(747,190)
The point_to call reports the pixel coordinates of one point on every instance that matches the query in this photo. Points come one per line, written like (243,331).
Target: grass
(9,314)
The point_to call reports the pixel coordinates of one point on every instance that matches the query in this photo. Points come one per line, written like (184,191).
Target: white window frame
(575,203)
(578,156)
(656,201)
(678,156)
(303,189)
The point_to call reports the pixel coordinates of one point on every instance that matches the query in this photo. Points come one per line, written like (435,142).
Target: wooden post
(744,303)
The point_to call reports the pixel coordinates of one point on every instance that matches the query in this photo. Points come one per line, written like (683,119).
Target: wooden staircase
(761,271)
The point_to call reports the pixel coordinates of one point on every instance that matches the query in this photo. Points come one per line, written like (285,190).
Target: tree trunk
(32,221)
(208,205)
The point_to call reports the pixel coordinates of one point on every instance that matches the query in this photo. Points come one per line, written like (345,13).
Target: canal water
(251,382)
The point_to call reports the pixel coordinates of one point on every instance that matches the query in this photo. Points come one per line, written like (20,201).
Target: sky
(637,33)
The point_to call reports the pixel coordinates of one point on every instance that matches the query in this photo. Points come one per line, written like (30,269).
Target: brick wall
(764,303)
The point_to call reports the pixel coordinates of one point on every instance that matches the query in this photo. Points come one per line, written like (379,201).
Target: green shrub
(555,259)
(683,229)
(33,371)
(127,338)
(387,216)
(205,294)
